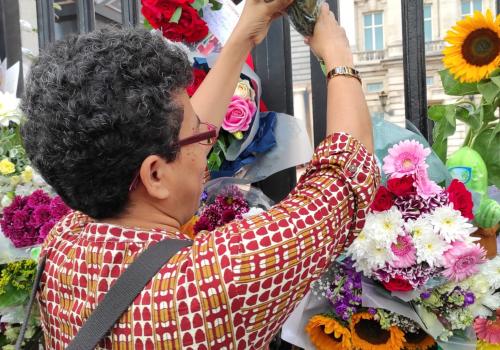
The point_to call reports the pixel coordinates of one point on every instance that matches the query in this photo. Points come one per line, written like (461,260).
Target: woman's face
(189,166)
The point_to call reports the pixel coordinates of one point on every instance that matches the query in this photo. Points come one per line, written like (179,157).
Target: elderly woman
(110,127)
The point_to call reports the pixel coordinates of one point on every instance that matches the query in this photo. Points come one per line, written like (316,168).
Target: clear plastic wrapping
(303,14)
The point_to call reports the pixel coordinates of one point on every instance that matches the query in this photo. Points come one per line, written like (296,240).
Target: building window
(374,87)
(374,33)
(430,81)
(471,6)
(428,22)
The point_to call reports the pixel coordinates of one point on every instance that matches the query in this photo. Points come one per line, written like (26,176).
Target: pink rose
(239,114)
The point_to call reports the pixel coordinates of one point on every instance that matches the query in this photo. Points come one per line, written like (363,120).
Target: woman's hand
(256,18)
(329,41)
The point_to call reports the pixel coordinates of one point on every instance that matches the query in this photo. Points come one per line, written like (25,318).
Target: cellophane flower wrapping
(303,14)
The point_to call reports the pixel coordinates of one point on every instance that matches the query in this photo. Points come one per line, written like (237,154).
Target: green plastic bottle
(468,166)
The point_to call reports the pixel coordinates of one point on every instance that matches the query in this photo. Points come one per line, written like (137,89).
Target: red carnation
(198,77)
(384,200)
(398,284)
(461,198)
(401,186)
(190,27)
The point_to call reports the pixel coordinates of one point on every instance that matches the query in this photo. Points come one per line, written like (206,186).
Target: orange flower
(367,334)
(327,333)
(418,341)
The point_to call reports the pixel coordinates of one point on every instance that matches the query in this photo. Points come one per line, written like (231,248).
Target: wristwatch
(345,71)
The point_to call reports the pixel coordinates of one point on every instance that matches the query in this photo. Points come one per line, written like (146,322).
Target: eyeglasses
(207,136)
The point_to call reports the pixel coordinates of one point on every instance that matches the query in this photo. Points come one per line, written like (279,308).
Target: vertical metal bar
(273,64)
(86,16)
(414,65)
(130,13)
(45,21)
(10,37)
(319,91)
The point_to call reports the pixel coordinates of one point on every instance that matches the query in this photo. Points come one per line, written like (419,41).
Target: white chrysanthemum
(419,227)
(253,211)
(9,109)
(430,248)
(385,227)
(491,271)
(450,224)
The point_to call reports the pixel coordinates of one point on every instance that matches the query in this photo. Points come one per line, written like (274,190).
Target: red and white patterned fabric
(235,287)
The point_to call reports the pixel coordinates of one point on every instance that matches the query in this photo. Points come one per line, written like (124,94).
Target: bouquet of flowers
(223,201)
(179,20)
(303,14)
(349,325)
(245,133)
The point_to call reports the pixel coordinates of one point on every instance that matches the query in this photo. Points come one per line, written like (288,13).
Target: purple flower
(40,215)
(469,299)
(425,295)
(39,197)
(45,229)
(20,219)
(58,208)
(372,311)
(228,215)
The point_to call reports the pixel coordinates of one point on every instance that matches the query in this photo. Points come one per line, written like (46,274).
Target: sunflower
(418,341)
(482,345)
(474,50)
(327,333)
(367,334)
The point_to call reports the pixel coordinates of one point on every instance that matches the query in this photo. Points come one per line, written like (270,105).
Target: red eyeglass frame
(211,134)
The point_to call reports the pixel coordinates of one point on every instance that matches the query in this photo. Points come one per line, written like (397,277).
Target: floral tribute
(179,20)
(416,247)
(238,120)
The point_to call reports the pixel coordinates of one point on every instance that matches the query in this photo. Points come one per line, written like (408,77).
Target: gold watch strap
(345,71)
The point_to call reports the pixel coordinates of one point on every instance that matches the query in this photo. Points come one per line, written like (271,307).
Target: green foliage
(11,147)
(454,87)
(16,280)
(176,16)
(488,214)
(490,152)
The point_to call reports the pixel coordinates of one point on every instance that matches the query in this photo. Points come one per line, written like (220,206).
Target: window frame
(373,27)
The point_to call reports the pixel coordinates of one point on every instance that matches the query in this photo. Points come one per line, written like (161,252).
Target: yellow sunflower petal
(392,339)
(327,333)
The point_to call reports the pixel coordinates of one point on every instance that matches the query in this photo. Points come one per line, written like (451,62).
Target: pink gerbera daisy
(488,330)
(462,261)
(426,187)
(404,252)
(405,158)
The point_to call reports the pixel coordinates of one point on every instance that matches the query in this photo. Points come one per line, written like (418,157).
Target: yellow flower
(7,167)
(367,334)
(327,333)
(474,50)
(482,345)
(27,174)
(15,180)
(245,90)
(418,341)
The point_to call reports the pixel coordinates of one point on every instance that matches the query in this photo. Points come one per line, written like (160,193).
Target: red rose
(383,200)
(198,77)
(401,186)
(398,284)
(190,27)
(461,198)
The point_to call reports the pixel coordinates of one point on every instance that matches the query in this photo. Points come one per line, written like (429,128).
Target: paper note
(222,22)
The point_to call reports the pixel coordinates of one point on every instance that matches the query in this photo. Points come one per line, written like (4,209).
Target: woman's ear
(154,177)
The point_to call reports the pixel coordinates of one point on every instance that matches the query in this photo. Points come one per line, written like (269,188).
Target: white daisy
(430,248)
(419,227)
(491,270)
(385,227)
(450,224)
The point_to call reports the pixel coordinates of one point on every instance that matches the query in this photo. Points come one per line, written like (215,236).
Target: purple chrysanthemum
(417,275)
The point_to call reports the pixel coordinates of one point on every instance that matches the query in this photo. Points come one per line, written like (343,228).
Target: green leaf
(496,80)
(214,161)
(198,4)
(436,112)
(490,152)
(464,115)
(450,115)
(494,133)
(487,112)
(13,297)
(176,16)
(454,87)
(489,90)
(147,25)
(441,149)
(216,6)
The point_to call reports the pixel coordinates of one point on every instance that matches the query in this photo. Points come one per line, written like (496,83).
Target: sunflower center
(331,335)
(415,338)
(481,47)
(372,332)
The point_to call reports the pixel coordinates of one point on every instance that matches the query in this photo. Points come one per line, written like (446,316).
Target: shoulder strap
(119,297)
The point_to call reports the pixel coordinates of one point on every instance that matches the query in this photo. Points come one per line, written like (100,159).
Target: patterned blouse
(235,287)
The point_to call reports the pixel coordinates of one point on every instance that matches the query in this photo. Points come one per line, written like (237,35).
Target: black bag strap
(119,297)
